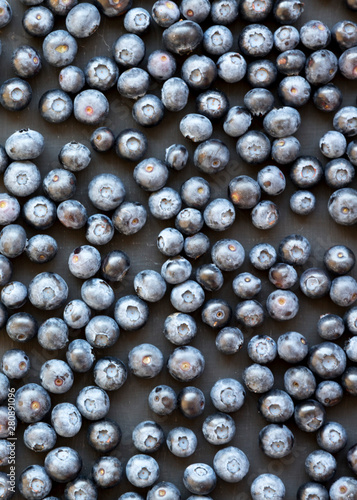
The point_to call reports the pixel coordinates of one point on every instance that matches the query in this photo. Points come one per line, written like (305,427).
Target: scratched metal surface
(129,404)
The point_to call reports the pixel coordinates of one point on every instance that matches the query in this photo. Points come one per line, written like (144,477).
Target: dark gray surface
(129,404)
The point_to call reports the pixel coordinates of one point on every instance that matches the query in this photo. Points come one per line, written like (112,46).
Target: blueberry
(161,65)
(38,21)
(101,73)
(255,11)
(345,34)
(182,37)
(224,11)
(165,13)
(294,249)
(343,291)
(286,38)
(61,8)
(74,156)
(339,173)
(176,270)
(253,147)
(97,294)
(186,363)
(352,458)
(213,103)
(327,359)
(187,297)
(165,203)
(129,218)
(246,285)
(131,144)
(261,73)
(59,48)
(41,248)
(349,380)
(343,121)
(6,424)
(267,484)
(315,283)
(6,14)
(164,489)
(197,128)
(47,291)
(15,364)
(211,156)
(321,67)
(55,106)
(93,403)
(26,61)
(39,212)
(332,437)
(219,214)
(32,403)
(231,464)
(142,471)
(191,402)
(102,139)
(111,9)
(342,206)
(249,313)
(100,230)
(15,94)
(262,256)
(84,261)
(265,215)
(174,94)
(320,465)
(329,393)
(195,10)
(24,144)
(292,347)
(259,101)
(328,98)
(285,150)
(351,320)
(227,395)
(131,496)
(291,63)
(288,12)
(102,332)
(115,265)
(162,400)
(217,40)
(216,313)
(276,441)
(199,478)
(294,91)
(34,482)
(262,349)
(40,437)
(229,340)
(347,63)
(198,71)
(128,50)
(176,156)
(133,83)
(131,313)
(107,472)
(56,376)
(350,348)
(237,122)
(145,361)
(283,276)
(218,429)
(343,488)
(195,192)
(302,202)
(210,277)
(21,327)
(197,245)
(5,451)
(14,295)
(352,152)
(90,107)
(66,419)
(148,437)
(110,373)
(299,382)
(76,314)
(71,79)
(276,406)
(4,387)
(231,67)
(256,40)
(181,442)
(258,378)
(312,488)
(80,486)
(333,144)
(137,20)
(63,464)
(104,435)
(148,111)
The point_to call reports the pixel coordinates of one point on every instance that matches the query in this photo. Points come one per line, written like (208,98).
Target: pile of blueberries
(200,54)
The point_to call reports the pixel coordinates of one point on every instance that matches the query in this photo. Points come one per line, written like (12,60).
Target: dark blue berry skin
(302,202)
(328,98)
(292,347)
(276,441)
(32,403)
(53,46)
(259,101)
(256,40)
(151,174)
(24,144)
(6,14)
(219,214)
(165,203)
(66,419)
(312,489)
(90,107)
(210,277)
(254,11)
(41,248)
(34,482)
(294,91)
(213,103)
(285,150)
(339,173)
(4,387)
(329,393)
(218,428)
(262,73)
(191,402)
(231,67)
(48,291)
(229,340)
(246,285)
(339,259)
(63,464)
(102,332)
(110,373)
(283,276)
(40,437)
(217,40)
(343,291)
(39,212)
(148,111)
(106,191)
(102,139)
(294,249)
(14,295)
(342,206)
(101,73)
(227,395)
(182,37)
(211,156)
(93,403)
(186,364)
(201,66)
(162,400)
(315,283)
(349,380)
(330,326)
(176,270)
(268,482)
(321,67)
(286,38)
(309,415)
(161,65)
(216,313)
(74,156)
(15,94)
(332,437)
(115,265)
(142,471)
(15,364)
(129,218)
(180,328)
(276,406)
(71,79)
(145,361)
(128,50)
(78,486)
(131,144)
(261,149)
(262,349)
(131,496)
(104,435)
(72,214)
(164,488)
(347,63)
(55,106)
(327,360)
(133,83)
(137,20)
(244,192)
(97,294)
(262,256)
(107,472)
(148,437)
(199,478)
(131,313)
(76,314)
(56,376)
(249,313)
(288,11)
(181,442)
(21,327)
(38,21)
(224,12)
(291,63)
(100,229)
(346,484)
(299,382)
(26,61)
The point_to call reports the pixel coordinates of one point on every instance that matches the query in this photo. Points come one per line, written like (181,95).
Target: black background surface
(129,404)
